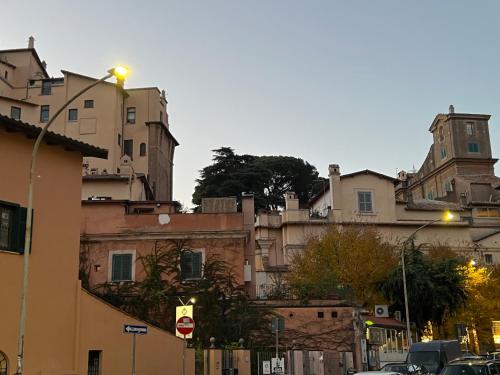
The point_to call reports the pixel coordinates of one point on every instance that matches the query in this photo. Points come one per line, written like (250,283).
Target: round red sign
(185,325)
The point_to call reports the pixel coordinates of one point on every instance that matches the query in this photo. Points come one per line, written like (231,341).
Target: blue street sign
(138,330)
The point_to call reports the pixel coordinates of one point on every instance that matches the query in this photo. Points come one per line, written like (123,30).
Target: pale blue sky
(350,82)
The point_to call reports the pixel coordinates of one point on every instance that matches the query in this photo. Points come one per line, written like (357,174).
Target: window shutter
(186,265)
(197,264)
(21,231)
(116,270)
(126,266)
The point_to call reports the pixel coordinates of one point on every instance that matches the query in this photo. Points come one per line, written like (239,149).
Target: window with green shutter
(472,147)
(121,268)
(12,227)
(191,265)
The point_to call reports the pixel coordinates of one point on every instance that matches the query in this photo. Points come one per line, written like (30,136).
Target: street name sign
(185,325)
(137,330)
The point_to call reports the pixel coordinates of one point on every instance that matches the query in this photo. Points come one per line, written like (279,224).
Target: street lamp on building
(120,72)
(447,216)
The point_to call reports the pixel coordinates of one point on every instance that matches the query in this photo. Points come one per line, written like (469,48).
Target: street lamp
(447,216)
(120,72)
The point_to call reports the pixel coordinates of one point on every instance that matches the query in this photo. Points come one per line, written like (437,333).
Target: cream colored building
(68,330)
(131,122)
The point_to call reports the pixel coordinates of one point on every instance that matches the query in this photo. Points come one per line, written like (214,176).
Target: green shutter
(186,265)
(196,265)
(127,267)
(121,267)
(21,231)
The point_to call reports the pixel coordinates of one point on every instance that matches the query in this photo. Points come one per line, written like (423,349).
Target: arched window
(142,149)
(3,364)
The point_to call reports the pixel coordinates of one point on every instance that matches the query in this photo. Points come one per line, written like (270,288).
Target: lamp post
(446,218)
(120,73)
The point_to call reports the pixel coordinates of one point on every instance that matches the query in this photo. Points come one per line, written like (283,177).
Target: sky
(354,82)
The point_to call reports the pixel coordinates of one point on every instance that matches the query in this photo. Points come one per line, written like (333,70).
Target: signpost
(277,364)
(134,330)
(184,326)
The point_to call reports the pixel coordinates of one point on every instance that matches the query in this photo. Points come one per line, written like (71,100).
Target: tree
(267,177)
(353,257)
(435,286)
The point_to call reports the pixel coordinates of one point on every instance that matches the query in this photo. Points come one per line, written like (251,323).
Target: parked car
(404,368)
(471,367)
(378,373)
(433,355)
(493,355)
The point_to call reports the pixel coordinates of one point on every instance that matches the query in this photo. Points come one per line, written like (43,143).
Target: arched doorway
(4,364)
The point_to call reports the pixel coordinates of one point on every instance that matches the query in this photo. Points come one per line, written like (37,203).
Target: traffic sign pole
(184,356)
(133,354)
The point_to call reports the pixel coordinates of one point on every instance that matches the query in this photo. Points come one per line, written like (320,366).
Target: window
(6,75)
(119,139)
(15,113)
(441,134)
(3,364)
(321,314)
(131,115)
(191,264)
(94,363)
(73,114)
(443,152)
(488,258)
(88,103)
(161,116)
(430,195)
(365,201)
(334,314)
(472,147)
(122,265)
(470,128)
(142,149)
(46,87)
(128,147)
(12,227)
(44,113)
(447,186)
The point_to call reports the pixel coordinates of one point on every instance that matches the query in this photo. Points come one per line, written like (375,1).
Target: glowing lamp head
(472,262)
(448,216)
(192,300)
(120,71)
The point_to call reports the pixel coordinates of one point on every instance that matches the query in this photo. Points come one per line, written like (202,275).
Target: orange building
(68,331)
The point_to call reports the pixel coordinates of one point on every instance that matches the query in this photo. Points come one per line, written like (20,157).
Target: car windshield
(466,370)
(403,369)
(430,360)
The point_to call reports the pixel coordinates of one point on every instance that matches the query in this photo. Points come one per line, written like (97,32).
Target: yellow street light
(448,216)
(193,300)
(120,72)
(472,262)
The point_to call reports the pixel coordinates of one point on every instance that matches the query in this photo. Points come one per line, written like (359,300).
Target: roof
(432,205)
(67,72)
(367,171)
(18,100)
(166,129)
(447,116)
(33,52)
(386,322)
(52,138)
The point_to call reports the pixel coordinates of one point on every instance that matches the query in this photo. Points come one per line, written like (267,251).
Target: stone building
(131,121)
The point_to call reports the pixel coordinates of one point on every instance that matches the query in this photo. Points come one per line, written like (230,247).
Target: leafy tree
(435,286)
(267,177)
(353,257)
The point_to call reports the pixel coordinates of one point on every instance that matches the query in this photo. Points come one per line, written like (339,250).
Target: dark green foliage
(267,177)
(436,288)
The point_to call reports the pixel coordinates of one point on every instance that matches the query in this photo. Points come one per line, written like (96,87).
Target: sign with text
(180,311)
(278,365)
(185,326)
(136,330)
(266,367)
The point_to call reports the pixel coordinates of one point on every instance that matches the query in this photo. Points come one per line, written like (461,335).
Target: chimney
(31,42)
(44,64)
(452,109)
(335,191)
(291,201)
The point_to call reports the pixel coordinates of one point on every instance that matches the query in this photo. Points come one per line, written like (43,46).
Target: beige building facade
(68,331)
(131,122)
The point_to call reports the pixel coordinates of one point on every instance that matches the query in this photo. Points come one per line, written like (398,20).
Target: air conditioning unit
(381,311)
(397,315)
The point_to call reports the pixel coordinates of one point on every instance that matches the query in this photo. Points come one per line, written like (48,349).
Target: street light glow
(448,216)
(192,300)
(472,262)
(120,71)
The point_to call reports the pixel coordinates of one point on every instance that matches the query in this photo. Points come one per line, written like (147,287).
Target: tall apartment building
(131,122)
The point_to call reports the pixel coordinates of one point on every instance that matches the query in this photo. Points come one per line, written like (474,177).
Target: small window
(447,186)
(121,267)
(321,314)
(443,152)
(73,114)
(119,139)
(430,195)
(473,147)
(161,116)
(44,113)
(191,265)
(4,364)
(88,103)
(334,314)
(142,149)
(131,115)
(6,75)
(488,258)
(15,113)
(12,227)
(128,147)
(46,88)
(470,129)
(365,201)
(94,363)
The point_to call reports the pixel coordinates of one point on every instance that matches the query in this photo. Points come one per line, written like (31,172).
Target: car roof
(479,361)
(378,373)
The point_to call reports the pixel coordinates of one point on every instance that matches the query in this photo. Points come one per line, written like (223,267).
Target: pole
(184,356)
(27,235)
(408,330)
(133,354)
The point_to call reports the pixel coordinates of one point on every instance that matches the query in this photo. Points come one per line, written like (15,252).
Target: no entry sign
(185,325)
